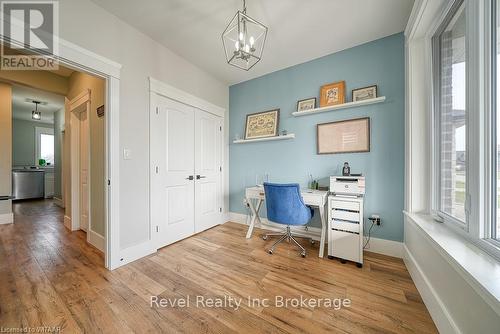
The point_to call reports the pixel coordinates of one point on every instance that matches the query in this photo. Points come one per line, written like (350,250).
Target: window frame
(480,99)
(491,134)
(39,130)
(436,123)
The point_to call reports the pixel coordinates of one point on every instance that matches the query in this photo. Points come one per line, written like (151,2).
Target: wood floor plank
(53,277)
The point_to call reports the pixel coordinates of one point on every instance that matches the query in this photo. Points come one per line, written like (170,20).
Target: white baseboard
(96,240)
(385,247)
(58,202)
(67,222)
(380,246)
(6,218)
(443,320)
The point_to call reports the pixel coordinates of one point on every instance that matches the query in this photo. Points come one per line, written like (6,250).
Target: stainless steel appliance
(28,183)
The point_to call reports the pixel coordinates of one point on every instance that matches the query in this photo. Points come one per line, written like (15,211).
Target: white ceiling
(21,109)
(299,30)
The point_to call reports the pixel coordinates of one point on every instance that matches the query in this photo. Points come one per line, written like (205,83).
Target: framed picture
(348,136)
(365,93)
(307,104)
(332,94)
(262,124)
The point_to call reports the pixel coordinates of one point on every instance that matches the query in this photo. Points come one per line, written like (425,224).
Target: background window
(451,117)
(47,148)
(496,125)
(44,138)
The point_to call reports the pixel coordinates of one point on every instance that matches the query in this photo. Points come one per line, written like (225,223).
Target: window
(44,138)
(466,121)
(495,119)
(451,117)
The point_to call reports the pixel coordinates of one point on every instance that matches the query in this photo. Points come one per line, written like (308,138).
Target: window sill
(475,266)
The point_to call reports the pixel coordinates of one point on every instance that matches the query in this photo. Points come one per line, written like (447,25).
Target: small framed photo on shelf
(306,104)
(332,94)
(262,124)
(365,93)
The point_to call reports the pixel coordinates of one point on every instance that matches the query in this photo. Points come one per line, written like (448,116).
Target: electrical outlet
(375,218)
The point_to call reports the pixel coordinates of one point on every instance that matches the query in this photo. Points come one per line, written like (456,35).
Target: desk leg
(323,231)
(255,216)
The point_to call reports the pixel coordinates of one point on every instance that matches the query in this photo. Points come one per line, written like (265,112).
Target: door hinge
(109,182)
(220,209)
(157,110)
(220,169)
(157,229)
(220,128)
(156,169)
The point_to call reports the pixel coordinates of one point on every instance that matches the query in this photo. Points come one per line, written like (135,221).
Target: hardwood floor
(52,277)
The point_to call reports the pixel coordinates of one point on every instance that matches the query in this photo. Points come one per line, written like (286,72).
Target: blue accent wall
(379,62)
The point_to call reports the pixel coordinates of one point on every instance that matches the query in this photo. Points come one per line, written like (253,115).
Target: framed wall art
(348,136)
(365,93)
(306,104)
(332,94)
(262,124)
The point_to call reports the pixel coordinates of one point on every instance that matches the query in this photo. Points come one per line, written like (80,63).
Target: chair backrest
(285,205)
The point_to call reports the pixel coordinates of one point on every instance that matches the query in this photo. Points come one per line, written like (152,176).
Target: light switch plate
(127,154)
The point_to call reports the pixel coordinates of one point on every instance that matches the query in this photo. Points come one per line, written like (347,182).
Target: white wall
(88,25)
(455,306)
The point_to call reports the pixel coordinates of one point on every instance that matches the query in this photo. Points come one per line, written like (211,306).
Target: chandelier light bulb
(241,36)
(247,48)
(252,41)
(237,46)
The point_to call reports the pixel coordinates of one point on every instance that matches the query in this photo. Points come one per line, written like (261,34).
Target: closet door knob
(190,178)
(200,177)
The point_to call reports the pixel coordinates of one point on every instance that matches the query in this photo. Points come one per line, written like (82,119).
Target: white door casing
(84,171)
(79,108)
(208,170)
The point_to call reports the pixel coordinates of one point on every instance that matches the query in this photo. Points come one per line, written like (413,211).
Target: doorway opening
(58,153)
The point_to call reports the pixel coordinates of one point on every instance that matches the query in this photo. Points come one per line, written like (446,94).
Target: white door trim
(173,93)
(84,60)
(79,104)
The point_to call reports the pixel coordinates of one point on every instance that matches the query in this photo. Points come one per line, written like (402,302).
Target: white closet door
(172,181)
(208,160)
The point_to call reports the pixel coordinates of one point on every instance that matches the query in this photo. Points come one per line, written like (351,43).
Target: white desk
(316,198)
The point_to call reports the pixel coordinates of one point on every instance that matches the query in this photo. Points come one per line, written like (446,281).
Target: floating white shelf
(339,106)
(243,141)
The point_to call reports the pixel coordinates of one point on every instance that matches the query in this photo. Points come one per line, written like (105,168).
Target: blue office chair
(285,206)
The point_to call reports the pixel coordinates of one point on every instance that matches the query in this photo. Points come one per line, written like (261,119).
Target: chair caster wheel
(331,257)
(303,254)
(270,251)
(343,261)
(312,242)
(359,265)
(264,237)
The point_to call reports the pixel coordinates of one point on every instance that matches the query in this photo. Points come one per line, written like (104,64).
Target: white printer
(345,218)
(347,185)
